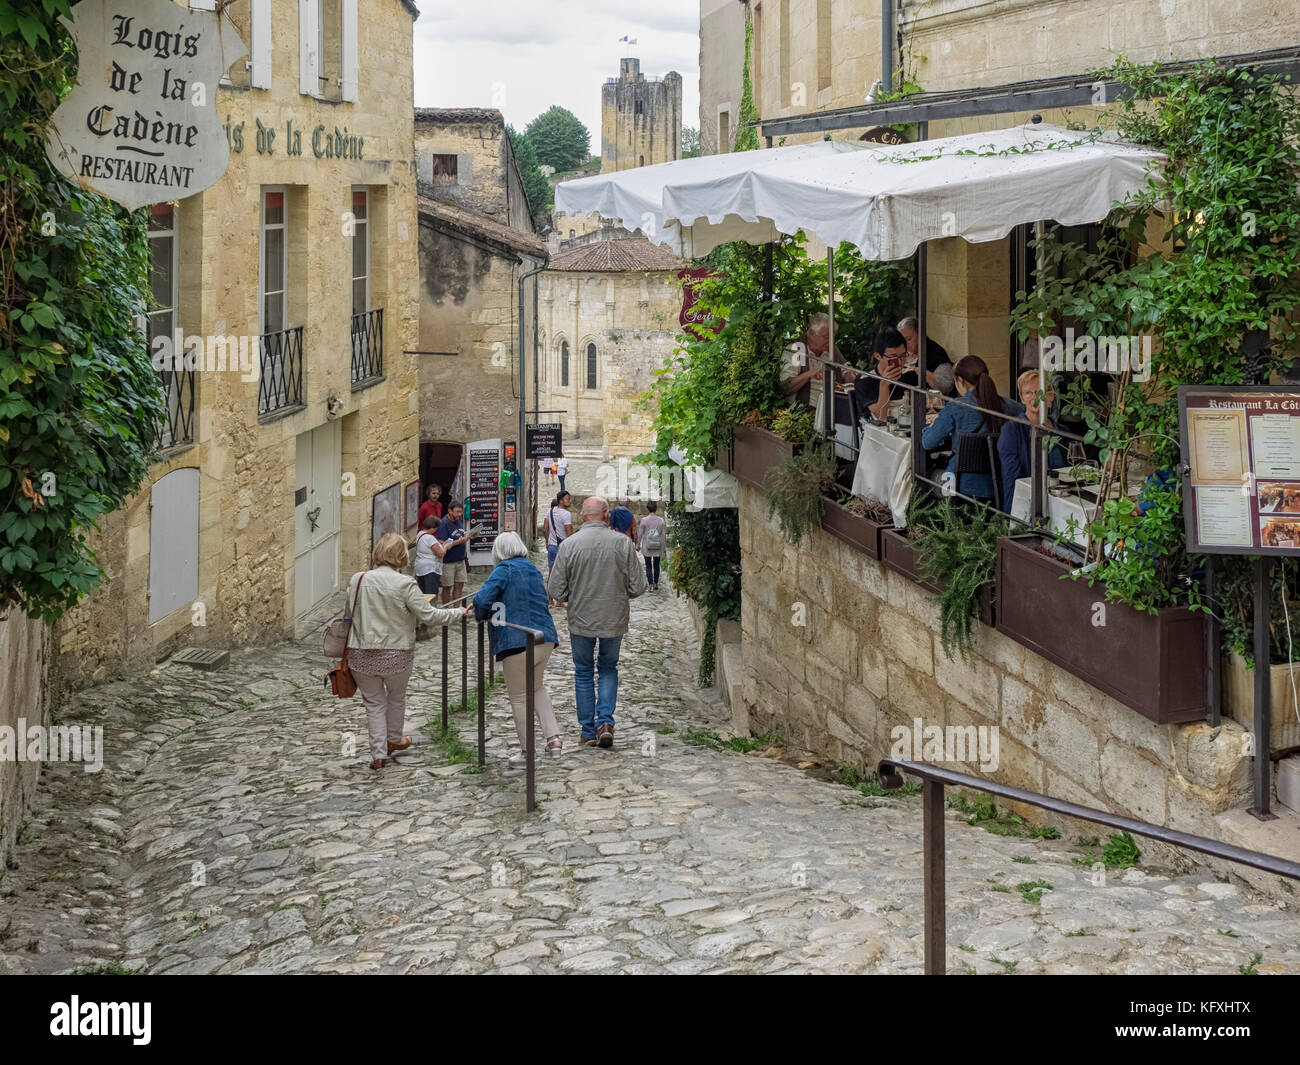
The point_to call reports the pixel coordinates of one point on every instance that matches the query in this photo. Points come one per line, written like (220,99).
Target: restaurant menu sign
(140,126)
(484,519)
(1241,468)
(542,441)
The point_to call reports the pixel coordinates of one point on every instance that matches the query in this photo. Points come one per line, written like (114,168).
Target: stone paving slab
(237,828)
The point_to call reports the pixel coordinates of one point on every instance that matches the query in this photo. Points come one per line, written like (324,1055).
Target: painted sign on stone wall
(140,126)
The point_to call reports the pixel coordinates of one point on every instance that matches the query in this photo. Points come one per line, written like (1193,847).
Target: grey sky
(522,58)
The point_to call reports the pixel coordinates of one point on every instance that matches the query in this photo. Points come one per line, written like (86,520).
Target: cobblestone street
(230,833)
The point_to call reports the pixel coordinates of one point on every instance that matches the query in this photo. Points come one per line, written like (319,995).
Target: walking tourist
(558,526)
(561,470)
(428,557)
(515,592)
(454,538)
(386,607)
(652,537)
(622,520)
(596,573)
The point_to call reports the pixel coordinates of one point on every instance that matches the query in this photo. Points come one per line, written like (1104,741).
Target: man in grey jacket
(596,572)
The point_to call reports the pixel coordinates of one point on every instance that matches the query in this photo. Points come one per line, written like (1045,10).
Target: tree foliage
(690,143)
(541,196)
(559,138)
(80,406)
(705,567)
(1229,213)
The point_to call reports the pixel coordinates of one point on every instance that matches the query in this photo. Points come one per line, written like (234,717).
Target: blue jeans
(550,556)
(562,476)
(595,700)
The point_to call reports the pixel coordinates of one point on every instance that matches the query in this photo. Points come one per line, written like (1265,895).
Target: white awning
(888,199)
(635,197)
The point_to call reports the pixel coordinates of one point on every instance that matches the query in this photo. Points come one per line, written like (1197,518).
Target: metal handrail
(533,637)
(890,772)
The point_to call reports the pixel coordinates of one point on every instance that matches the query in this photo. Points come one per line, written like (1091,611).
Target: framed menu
(1241,468)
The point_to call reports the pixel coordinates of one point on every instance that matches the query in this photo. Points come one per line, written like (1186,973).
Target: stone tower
(640,118)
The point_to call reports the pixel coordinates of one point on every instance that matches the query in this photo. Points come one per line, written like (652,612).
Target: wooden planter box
(896,553)
(755,451)
(1154,663)
(1239,701)
(852,529)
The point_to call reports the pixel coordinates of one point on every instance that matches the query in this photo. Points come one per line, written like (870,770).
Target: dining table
(1066,503)
(884,469)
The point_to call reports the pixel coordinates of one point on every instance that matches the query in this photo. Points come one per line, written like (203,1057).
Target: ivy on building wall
(80,405)
(705,567)
(746,139)
(1218,298)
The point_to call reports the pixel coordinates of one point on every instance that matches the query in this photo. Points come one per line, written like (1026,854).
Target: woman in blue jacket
(515,592)
(1015,443)
(968,413)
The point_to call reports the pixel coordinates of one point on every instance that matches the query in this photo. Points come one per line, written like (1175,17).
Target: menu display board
(1241,468)
(542,441)
(483,520)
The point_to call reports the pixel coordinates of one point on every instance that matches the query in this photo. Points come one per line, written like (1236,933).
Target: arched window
(564,364)
(571,234)
(591,365)
(642,161)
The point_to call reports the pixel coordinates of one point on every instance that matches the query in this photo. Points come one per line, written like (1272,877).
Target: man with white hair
(596,573)
(799,372)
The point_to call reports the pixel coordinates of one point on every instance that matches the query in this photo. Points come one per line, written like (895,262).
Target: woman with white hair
(515,592)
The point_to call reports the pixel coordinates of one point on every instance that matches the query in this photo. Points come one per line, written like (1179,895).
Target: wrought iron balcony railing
(367,347)
(177,426)
(280,382)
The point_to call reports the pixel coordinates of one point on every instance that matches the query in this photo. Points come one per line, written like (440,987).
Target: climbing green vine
(79,399)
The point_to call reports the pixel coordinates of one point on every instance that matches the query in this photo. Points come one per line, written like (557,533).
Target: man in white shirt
(561,469)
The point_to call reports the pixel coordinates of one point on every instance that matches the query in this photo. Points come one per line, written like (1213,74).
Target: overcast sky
(524,57)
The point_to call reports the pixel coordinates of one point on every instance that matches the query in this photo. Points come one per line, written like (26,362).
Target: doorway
(316,515)
(439,464)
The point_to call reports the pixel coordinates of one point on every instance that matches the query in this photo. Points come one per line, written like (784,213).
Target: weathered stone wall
(632,317)
(25,648)
(468,312)
(482,184)
(869,659)
(248,467)
(722,63)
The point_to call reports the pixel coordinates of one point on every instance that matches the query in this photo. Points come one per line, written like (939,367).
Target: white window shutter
(350,49)
(261,29)
(309,47)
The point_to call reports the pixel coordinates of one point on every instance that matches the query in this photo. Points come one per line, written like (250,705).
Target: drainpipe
(888,44)
(526,503)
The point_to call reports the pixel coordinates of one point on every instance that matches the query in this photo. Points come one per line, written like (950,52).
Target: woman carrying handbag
(386,607)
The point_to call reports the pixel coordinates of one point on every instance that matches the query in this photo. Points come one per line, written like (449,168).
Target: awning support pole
(828,372)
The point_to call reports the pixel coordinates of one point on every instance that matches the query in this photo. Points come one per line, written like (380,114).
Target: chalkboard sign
(542,441)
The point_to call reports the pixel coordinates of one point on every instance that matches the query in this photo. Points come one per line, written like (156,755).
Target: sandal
(554,746)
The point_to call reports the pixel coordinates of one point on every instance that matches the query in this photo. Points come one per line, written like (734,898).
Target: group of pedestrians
(595,572)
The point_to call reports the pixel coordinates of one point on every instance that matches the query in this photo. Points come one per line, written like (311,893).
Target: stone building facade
(610,315)
(476,241)
(722,61)
(640,118)
(295,279)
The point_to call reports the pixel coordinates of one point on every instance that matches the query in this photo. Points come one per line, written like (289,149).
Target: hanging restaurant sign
(140,126)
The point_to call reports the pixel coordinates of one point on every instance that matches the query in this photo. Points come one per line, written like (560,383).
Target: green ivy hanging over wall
(79,398)
(1218,297)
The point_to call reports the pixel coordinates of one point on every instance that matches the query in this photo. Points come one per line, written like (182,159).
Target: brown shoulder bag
(340,679)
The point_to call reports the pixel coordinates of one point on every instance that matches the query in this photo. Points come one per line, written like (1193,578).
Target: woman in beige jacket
(381,647)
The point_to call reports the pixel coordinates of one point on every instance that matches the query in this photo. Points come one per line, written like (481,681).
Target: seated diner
(1015,443)
(977,394)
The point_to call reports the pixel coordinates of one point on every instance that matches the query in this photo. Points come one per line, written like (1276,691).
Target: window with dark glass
(591,365)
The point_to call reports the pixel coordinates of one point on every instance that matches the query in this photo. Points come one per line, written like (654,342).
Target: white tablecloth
(1060,509)
(884,471)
